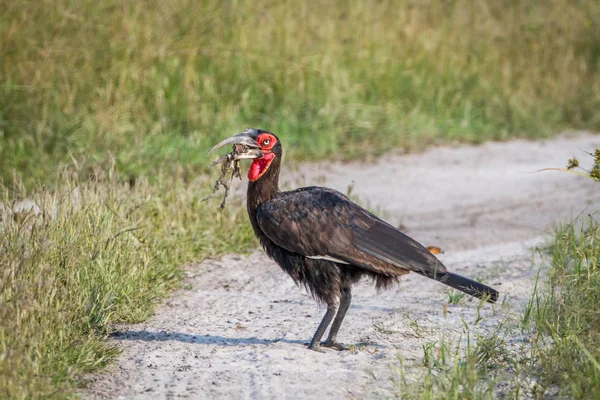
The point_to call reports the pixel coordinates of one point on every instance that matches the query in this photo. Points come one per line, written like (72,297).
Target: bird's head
(259,145)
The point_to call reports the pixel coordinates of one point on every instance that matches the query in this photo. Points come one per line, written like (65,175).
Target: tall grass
(567,317)
(568,313)
(154,83)
(451,372)
(87,256)
(561,321)
(553,351)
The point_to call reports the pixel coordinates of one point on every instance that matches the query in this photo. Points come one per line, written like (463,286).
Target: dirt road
(241,328)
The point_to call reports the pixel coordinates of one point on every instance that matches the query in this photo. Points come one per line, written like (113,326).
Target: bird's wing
(323,223)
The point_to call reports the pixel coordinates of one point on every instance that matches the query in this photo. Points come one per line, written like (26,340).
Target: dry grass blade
(561,170)
(593,172)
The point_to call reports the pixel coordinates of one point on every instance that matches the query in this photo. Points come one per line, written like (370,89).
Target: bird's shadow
(149,336)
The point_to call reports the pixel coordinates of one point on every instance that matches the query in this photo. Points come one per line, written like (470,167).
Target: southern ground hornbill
(326,242)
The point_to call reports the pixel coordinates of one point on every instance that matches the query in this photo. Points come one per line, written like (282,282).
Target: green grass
(154,84)
(568,314)
(561,355)
(451,372)
(455,297)
(107,110)
(96,254)
(561,323)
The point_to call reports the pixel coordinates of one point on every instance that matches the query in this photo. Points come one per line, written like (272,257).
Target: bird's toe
(334,345)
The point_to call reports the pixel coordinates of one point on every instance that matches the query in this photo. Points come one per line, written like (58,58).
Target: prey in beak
(245,147)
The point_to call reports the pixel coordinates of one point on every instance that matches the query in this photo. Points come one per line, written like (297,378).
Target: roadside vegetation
(107,110)
(552,349)
(91,254)
(155,84)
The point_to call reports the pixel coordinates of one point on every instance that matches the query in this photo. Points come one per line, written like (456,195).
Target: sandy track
(240,330)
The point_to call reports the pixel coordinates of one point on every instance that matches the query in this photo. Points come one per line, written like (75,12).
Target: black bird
(326,242)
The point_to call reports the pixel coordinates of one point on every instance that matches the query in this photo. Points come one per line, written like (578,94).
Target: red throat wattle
(259,166)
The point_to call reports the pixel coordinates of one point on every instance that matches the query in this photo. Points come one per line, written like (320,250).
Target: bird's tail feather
(467,285)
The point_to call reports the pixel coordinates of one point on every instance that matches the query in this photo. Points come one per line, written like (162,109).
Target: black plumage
(326,242)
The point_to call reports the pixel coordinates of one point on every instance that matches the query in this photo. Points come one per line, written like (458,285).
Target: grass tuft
(568,317)
(561,321)
(75,261)
(552,350)
(455,297)
(452,372)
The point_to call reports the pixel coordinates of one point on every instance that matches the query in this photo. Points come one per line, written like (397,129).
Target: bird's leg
(315,342)
(345,299)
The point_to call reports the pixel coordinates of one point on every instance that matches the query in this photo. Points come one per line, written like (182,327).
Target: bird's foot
(334,345)
(316,347)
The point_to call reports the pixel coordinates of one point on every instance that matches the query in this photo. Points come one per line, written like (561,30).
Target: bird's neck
(263,189)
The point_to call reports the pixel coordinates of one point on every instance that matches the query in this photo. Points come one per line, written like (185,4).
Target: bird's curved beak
(251,149)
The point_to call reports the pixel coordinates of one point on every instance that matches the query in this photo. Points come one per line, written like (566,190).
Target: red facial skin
(260,165)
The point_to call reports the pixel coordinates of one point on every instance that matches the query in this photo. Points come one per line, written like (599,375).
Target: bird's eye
(266,142)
